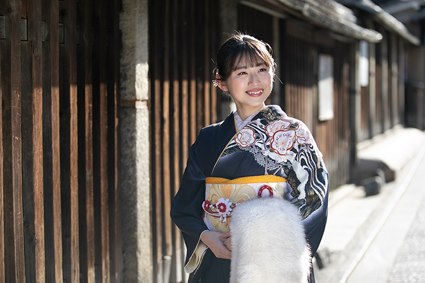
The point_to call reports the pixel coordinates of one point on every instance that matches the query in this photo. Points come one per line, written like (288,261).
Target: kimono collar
(239,123)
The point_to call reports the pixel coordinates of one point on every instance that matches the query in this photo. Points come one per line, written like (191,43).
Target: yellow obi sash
(222,196)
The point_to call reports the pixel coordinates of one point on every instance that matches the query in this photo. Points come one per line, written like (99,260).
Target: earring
(215,83)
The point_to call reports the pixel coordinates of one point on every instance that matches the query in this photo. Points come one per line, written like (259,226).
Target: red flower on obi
(206,205)
(221,207)
(265,187)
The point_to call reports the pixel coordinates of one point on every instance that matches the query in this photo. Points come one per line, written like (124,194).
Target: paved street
(379,238)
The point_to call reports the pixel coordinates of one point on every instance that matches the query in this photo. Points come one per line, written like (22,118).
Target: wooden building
(101,101)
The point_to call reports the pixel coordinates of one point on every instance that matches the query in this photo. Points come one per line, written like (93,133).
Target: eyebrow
(245,66)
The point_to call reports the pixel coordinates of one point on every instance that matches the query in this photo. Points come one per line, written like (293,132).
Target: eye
(241,73)
(264,69)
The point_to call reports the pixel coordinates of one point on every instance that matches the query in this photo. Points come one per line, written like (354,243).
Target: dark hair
(237,47)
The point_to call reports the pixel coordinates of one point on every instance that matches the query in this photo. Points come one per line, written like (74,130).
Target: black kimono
(270,144)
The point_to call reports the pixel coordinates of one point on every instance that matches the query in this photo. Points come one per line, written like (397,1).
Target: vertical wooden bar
(51,170)
(156,140)
(164,192)
(53,21)
(401,79)
(12,161)
(34,9)
(70,41)
(193,89)
(88,141)
(103,131)
(28,176)
(176,274)
(207,60)
(117,240)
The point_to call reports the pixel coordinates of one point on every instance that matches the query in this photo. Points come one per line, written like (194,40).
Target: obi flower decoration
(278,125)
(282,141)
(245,138)
(303,134)
(224,207)
(221,209)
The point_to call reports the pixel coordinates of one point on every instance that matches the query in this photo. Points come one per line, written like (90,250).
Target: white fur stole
(268,243)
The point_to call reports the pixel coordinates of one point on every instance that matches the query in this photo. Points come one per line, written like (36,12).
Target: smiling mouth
(255,92)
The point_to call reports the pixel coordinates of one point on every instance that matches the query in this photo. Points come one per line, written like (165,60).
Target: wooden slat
(34,9)
(193,89)
(103,128)
(53,21)
(14,239)
(87,31)
(51,164)
(165,191)
(28,158)
(73,273)
(176,248)
(114,141)
(157,154)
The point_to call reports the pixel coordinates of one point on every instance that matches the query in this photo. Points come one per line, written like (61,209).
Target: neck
(245,113)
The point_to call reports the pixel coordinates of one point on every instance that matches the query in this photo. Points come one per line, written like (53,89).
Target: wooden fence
(382,100)
(59,175)
(182,100)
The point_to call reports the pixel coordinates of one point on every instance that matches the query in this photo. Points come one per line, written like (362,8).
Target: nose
(253,79)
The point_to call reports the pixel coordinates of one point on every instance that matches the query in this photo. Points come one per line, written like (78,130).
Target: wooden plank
(87,31)
(34,21)
(175,252)
(157,152)
(207,60)
(116,269)
(52,195)
(71,86)
(105,263)
(193,94)
(14,240)
(27,160)
(165,192)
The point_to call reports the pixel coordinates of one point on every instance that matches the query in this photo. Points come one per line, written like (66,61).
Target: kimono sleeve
(309,180)
(186,208)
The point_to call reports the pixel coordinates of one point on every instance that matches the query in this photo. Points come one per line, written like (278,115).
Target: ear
(220,83)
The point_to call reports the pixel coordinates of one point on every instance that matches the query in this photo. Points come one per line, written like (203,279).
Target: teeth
(256,92)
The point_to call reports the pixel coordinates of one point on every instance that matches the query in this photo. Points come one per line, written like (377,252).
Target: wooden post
(354,103)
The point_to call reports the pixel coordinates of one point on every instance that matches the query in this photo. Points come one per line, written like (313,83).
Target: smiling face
(249,84)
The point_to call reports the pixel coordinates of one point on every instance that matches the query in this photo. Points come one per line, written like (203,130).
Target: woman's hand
(227,240)
(216,242)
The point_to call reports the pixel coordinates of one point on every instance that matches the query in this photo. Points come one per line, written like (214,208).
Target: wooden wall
(59,151)
(301,48)
(182,44)
(384,109)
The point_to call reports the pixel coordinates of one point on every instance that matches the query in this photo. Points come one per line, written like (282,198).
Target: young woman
(257,151)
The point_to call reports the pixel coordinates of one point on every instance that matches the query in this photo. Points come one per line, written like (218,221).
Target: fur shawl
(268,243)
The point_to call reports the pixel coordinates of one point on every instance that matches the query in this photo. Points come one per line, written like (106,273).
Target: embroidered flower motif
(303,134)
(278,125)
(223,208)
(245,138)
(282,141)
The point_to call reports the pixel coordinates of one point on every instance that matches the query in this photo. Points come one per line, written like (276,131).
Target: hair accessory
(215,83)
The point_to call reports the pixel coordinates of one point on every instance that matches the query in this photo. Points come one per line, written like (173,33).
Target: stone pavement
(356,220)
